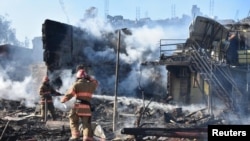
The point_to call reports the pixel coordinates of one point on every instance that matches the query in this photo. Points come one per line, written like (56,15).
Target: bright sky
(27,16)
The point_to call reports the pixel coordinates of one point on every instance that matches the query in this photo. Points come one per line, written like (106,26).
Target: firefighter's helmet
(81,73)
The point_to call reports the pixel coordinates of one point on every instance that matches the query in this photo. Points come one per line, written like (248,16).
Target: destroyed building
(208,68)
(197,67)
(66,46)
(198,70)
(15,58)
(16,61)
(209,65)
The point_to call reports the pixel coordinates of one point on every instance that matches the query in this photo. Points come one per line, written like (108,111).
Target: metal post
(116,81)
(210,90)
(210,99)
(143,99)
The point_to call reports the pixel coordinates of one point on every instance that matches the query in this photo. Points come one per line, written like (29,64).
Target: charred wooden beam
(57,124)
(4,129)
(141,113)
(192,113)
(197,133)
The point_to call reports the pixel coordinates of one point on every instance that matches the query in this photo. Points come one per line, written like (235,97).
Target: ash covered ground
(19,123)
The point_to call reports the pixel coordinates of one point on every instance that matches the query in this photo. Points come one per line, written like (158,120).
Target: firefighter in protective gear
(46,91)
(82,90)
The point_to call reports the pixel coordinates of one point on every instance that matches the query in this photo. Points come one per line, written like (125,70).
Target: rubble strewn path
(19,123)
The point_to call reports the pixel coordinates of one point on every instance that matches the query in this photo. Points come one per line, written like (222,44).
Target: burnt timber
(66,46)
(209,67)
(190,133)
(203,69)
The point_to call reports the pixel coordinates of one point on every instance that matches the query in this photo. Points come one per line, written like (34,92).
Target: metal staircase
(217,76)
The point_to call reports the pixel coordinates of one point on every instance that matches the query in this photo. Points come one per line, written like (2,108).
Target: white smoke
(95,26)
(15,78)
(18,91)
(142,45)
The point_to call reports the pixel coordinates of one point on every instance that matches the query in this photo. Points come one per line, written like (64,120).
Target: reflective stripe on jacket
(82,89)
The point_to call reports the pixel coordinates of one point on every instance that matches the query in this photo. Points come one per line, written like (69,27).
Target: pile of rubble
(135,119)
